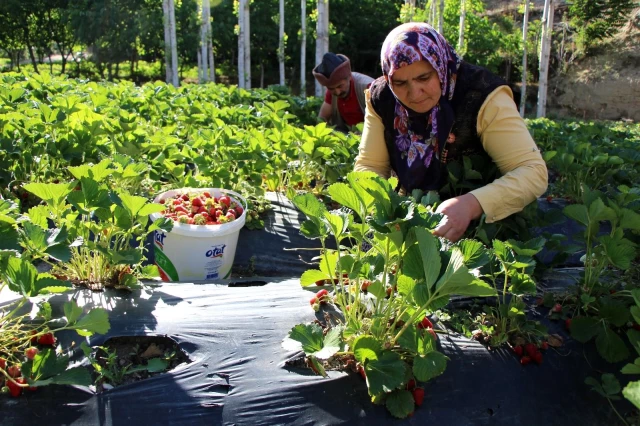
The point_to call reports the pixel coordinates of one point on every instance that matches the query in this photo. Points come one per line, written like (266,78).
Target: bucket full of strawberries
(202,244)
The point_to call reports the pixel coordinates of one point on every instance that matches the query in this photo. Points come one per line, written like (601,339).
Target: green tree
(598,19)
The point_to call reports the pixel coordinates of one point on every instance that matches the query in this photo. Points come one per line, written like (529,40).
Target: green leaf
(337,224)
(132,203)
(620,252)
(522,284)
(456,276)
(385,373)
(577,212)
(310,276)
(530,248)
(474,253)
(400,403)
(426,367)
(96,321)
(610,384)
(634,339)
(20,276)
(345,195)
(96,172)
(311,229)
(331,343)
(72,311)
(476,288)
(412,263)
(610,346)
(584,329)
(154,365)
(38,215)
(150,208)
(162,223)
(430,255)
(614,311)
(317,366)
(632,368)
(366,348)
(328,262)
(73,376)
(630,220)
(309,335)
(51,193)
(409,340)
(405,285)
(632,393)
(598,211)
(421,293)
(309,205)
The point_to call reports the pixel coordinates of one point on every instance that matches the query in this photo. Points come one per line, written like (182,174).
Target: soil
(138,350)
(606,84)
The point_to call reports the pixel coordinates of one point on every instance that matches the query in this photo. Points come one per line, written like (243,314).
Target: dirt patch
(605,85)
(128,359)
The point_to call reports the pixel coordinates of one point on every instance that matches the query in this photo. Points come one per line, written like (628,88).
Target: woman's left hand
(458,213)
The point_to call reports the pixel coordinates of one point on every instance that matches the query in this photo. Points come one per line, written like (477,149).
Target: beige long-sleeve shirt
(504,137)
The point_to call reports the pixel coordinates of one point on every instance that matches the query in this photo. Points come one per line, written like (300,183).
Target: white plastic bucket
(197,252)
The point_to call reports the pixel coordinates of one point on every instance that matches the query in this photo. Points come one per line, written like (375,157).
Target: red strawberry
(418,396)
(518,350)
(197,201)
(31,352)
(207,194)
(549,198)
(230,215)
(14,371)
(432,333)
(365,285)
(636,326)
(185,197)
(537,358)
(525,360)
(557,308)
(323,296)
(313,300)
(363,374)
(530,349)
(3,363)
(14,389)
(544,346)
(47,339)
(225,200)
(239,211)
(425,323)
(567,323)
(411,384)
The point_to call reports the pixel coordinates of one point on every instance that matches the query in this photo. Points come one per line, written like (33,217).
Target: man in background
(344,101)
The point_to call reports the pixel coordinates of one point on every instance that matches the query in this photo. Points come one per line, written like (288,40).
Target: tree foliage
(598,19)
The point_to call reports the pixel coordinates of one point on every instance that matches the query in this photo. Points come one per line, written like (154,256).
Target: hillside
(603,85)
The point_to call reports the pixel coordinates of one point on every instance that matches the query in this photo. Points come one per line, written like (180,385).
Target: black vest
(458,175)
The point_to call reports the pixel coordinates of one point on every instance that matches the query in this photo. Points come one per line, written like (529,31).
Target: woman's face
(417,86)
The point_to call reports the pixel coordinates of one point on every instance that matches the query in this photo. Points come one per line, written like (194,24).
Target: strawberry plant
(28,358)
(383,295)
(595,310)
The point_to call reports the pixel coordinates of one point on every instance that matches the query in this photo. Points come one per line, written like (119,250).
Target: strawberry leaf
(72,311)
(400,403)
(310,337)
(429,253)
(614,311)
(309,205)
(385,373)
(310,276)
(96,321)
(610,346)
(331,343)
(632,393)
(51,193)
(632,368)
(474,253)
(584,329)
(426,367)
(366,348)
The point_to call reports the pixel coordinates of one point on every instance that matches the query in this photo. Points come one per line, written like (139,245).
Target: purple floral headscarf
(406,44)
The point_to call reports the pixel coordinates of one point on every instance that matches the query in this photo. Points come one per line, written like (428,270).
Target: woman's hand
(458,213)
